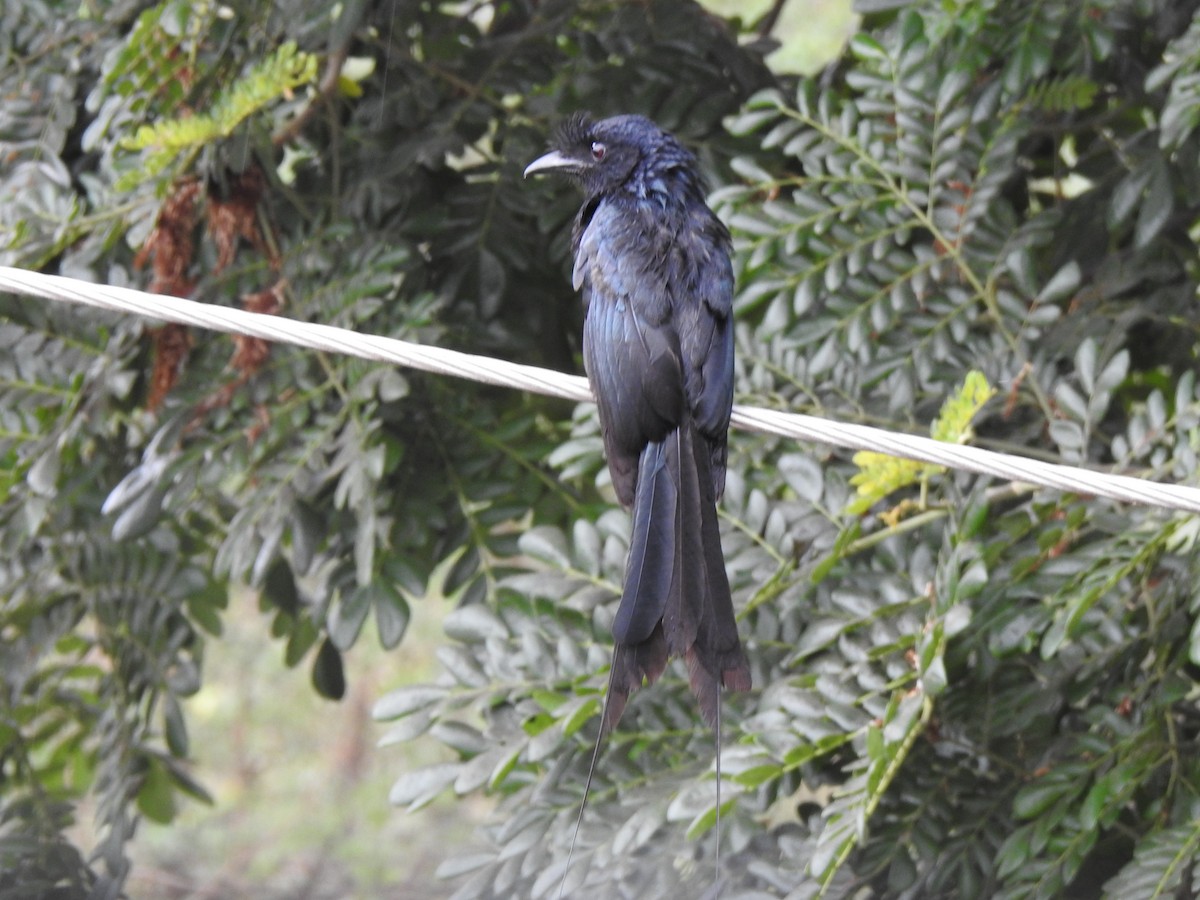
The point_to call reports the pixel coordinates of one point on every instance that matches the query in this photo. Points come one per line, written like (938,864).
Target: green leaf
(1157,205)
(1064,283)
(328,677)
(175,727)
(417,789)
(156,796)
(406,700)
(473,624)
(1161,865)
(1035,798)
(866,47)
(392,615)
(347,615)
(300,637)
(1194,642)
(279,588)
(579,716)
(758,775)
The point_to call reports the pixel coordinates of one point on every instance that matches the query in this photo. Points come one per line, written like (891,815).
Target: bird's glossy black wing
(630,348)
(702,310)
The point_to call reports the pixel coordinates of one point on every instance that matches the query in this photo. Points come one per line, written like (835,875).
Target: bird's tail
(676,600)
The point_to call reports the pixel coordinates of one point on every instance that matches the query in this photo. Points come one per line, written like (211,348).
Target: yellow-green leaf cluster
(880,475)
(281,72)
(953,424)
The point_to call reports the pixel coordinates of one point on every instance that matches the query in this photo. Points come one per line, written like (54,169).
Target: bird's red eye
(598,151)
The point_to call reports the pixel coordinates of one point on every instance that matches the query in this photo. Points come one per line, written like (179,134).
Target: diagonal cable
(571,387)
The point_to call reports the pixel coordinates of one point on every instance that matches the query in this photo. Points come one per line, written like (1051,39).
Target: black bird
(653,262)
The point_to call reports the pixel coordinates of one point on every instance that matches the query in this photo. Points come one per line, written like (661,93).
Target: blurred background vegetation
(222,559)
(298,782)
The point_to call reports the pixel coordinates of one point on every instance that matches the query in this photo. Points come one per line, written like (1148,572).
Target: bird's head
(601,155)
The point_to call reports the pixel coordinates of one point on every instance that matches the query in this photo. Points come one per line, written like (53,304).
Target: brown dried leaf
(171,345)
(236,215)
(250,352)
(171,244)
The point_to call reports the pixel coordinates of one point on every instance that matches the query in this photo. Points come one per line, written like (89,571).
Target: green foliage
(271,78)
(880,474)
(991,697)
(1179,73)
(143,472)
(149,67)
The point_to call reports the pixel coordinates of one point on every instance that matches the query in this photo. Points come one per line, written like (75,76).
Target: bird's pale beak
(552,162)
